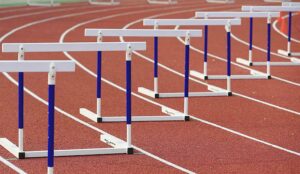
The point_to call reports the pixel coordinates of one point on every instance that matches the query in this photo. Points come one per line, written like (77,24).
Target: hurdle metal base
(43,5)
(286,53)
(118,148)
(215,92)
(175,117)
(293,62)
(220,1)
(253,75)
(103,3)
(162,2)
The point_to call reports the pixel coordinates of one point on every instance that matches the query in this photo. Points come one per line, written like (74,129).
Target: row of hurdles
(118,146)
(115,2)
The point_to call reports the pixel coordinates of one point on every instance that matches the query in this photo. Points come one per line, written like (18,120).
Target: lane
(97,140)
(141,111)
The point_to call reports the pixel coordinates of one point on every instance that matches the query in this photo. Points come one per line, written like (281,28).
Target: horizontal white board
(191,22)
(271,8)
(73,46)
(142,32)
(235,14)
(36,66)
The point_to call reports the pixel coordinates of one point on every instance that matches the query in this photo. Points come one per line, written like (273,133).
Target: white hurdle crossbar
(221,1)
(253,74)
(100,34)
(214,91)
(51,3)
(101,2)
(287,7)
(167,2)
(20,66)
(119,146)
(290,3)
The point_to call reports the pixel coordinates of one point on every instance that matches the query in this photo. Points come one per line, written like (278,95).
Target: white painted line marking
(11,165)
(151,101)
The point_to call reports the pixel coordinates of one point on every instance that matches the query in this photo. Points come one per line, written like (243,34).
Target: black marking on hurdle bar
(229,94)
(156,95)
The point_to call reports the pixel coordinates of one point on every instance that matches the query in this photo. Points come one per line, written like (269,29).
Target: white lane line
(281,33)
(11,165)
(74,118)
(213,56)
(158,104)
(41,12)
(95,128)
(69,115)
(264,50)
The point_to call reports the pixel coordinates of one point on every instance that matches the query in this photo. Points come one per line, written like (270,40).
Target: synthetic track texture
(193,145)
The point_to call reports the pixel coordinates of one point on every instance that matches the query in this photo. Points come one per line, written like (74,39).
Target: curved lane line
(158,104)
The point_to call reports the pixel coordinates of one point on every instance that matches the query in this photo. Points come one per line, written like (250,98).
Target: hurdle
(272,1)
(220,1)
(290,3)
(253,73)
(213,90)
(103,2)
(100,34)
(166,2)
(118,146)
(50,3)
(289,52)
(293,61)
(51,67)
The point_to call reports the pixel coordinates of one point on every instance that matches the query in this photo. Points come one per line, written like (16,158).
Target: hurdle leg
(269,48)
(289,35)
(99,87)
(128,98)
(250,40)
(21,112)
(51,104)
(205,51)
(156,67)
(186,76)
(228,30)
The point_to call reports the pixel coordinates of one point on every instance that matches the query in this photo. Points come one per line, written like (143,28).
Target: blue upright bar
(128,92)
(99,71)
(51,104)
(187,70)
(290,27)
(205,42)
(155,57)
(21,101)
(269,43)
(228,54)
(251,34)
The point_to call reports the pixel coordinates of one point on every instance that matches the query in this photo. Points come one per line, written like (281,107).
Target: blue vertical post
(51,105)
(99,70)
(205,51)
(289,34)
(250,40)
(156,67)
(21,112)
(228,29)
(128,92)
(186,74)
(99,76)
(269,48)
(128,98)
